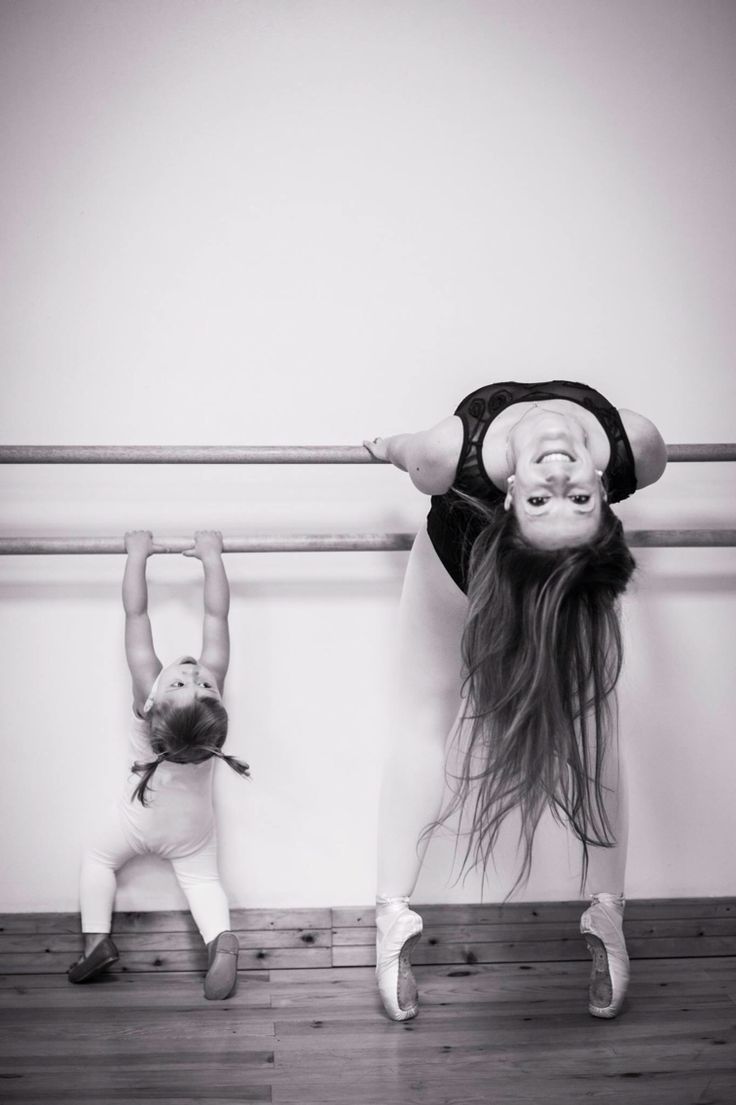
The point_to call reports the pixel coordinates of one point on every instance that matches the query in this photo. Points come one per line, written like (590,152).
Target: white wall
(306,223)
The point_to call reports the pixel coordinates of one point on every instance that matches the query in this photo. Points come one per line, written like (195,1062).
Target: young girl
(179,724)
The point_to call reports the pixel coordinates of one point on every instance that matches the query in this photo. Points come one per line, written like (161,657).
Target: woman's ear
(508,501)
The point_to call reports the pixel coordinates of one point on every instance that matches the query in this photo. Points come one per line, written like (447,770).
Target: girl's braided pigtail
(145,771)
(236,764)
(240,766)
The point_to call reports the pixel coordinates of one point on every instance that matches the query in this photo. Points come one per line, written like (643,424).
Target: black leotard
(452,524)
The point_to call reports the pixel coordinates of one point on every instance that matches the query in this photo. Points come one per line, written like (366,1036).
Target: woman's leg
(426,689)
(607,866)
(602,922)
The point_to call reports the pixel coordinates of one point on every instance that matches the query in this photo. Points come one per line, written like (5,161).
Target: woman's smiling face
(555,491)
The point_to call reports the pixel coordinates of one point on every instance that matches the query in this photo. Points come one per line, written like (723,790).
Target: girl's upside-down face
(184,681)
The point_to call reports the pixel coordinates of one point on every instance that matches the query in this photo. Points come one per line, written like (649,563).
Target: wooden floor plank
(551,1056)
(114,1031)
(515,951)
(241,920)
(20,1093)
(71,944)
(129,991)
(503,1026)
(128,1084)
(365,935)
(257,1095)
(418,1084)
(166,960)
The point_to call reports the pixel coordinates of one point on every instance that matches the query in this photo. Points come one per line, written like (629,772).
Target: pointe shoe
(396,983)
(222,973)
(88,966)
(602,927)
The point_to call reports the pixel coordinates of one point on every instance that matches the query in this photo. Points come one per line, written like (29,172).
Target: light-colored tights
(426,701)
(197,875)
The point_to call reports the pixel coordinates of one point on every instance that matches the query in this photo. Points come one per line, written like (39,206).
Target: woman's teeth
(548,457)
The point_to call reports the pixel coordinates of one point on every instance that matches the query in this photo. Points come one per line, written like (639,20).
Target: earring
(604,493)
(509,493)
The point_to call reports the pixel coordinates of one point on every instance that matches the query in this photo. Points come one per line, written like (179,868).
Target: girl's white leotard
(178,818)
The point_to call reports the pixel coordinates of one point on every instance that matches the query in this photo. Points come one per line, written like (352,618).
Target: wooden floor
(496,1034)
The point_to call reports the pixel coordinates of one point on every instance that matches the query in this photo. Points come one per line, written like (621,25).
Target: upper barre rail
(258,454)
(331,542)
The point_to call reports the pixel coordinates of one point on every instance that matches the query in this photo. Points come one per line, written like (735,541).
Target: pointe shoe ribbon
(602,927)
(396,983)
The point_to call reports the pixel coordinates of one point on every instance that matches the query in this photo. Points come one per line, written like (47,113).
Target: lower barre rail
(331,542)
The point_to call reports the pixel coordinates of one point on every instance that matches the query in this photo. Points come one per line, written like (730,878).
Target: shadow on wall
(335,591)
(331,590)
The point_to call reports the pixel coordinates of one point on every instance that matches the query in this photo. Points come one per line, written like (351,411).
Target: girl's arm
(430,457)
(143,663)
(215,632)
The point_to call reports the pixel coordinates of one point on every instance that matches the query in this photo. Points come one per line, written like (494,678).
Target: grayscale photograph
(368,552)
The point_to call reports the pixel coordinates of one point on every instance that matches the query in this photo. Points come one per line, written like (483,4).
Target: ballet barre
(332,542)
(259,454)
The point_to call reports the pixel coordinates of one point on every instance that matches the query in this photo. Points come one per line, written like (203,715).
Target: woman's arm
(647,445)
(215,631)
(143,663)
(430,457)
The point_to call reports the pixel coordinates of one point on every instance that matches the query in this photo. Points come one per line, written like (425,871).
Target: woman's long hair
(542,651)
(187,734)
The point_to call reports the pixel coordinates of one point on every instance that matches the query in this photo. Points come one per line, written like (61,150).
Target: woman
(508,615)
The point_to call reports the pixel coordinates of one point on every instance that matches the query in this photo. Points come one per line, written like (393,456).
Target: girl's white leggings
(196,873)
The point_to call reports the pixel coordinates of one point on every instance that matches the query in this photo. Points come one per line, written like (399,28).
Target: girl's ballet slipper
(222,974)
(602,927)
(89,966)
(396,934)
